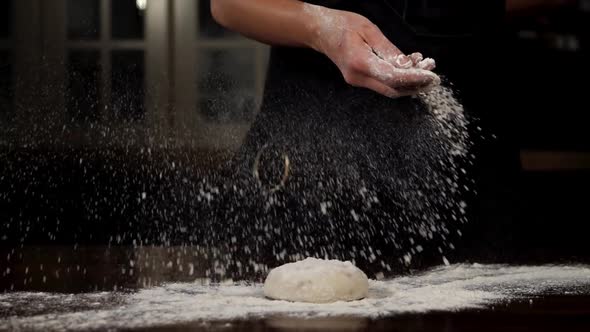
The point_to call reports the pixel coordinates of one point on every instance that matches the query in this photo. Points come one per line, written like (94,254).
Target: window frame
(40,40)
(189,116)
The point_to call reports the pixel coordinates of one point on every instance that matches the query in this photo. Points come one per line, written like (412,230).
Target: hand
(366,57)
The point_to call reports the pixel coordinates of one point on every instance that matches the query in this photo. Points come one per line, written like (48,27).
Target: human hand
(366,57)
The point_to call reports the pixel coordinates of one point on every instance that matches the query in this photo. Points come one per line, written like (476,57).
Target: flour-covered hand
(365,57)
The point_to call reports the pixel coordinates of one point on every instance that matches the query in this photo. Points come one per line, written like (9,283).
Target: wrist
(315,19)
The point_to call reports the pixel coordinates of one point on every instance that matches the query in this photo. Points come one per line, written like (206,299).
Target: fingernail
(429,77)
(427,63)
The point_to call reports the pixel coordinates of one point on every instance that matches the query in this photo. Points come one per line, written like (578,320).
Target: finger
(416,58)
(412,78)
(403,62)
(375,85)
(417,87)
(421,89)
(427,64)
(387,51)
(391,75)
(380,44)
(417,90)
(429,87)
(400,78)
(435,82)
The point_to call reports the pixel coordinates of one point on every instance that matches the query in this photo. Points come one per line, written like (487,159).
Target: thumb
(384,48)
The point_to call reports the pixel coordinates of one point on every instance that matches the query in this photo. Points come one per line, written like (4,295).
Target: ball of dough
(316,281)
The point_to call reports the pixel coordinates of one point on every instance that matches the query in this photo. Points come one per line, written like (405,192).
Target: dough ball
(316,281)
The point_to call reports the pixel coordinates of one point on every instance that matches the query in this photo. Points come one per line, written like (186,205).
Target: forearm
(365,57)
(276,22)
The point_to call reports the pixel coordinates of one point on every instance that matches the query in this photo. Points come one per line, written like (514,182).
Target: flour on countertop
(448,288)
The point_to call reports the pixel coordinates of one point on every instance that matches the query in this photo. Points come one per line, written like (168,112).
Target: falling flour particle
(337,205)
(451,123)
(288,225)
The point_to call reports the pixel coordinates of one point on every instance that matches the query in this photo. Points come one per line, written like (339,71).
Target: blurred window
(228,72)
(127,19)
(206,25)
(6,9)
(226,82)
(106,71)
(6,86)
(128,87)
(83,98)
(83,19)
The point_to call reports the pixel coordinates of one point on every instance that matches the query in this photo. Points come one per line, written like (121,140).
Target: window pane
(128,88)
(83,85)
(235,107)
(226,70)
(83,19)
(5,19)
(227,84)
(6,86)
(128,19)
(207,27)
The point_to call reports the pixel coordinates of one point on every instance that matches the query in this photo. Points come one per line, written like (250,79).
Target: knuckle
(351,79)
(368,26)
(357,64)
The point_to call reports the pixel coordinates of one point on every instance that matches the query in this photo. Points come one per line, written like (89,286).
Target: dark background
(90,147)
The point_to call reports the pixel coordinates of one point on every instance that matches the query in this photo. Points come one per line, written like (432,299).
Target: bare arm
(362,53)
(276,22)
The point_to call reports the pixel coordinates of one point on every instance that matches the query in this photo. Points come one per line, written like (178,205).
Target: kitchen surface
(121,206)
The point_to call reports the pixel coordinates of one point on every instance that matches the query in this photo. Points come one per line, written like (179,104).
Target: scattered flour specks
(449,288)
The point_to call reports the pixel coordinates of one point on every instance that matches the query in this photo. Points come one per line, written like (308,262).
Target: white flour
(448,288)
(451,123)
(385,71)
